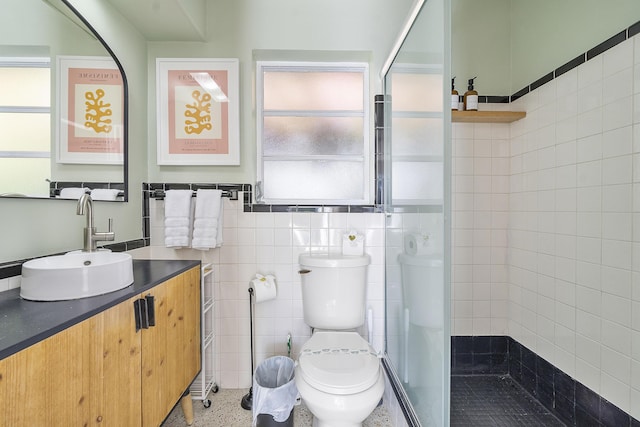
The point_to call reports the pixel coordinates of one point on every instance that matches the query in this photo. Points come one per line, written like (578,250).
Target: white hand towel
(174,242)
(177,218)
(219,239)
(176,222)
(72,192)
(176,232)
(205,228)
(104,194)
(207,220)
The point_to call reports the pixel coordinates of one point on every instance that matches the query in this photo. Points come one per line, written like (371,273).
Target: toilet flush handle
(304,271)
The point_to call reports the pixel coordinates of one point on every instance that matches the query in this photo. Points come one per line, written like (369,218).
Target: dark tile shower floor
(495,400)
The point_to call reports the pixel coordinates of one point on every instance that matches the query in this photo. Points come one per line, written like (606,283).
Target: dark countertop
(24,323)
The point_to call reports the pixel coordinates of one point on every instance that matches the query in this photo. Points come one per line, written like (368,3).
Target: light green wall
(548,33)
(511,43)
(39,227)
(480,45)
(364,29)
(358,29)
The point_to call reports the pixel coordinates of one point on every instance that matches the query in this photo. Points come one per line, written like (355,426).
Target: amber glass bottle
(454,96)
(471,97)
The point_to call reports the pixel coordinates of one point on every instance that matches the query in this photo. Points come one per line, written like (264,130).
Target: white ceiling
(166,20)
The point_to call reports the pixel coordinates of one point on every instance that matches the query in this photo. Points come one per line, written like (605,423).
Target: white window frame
(305,66)
(25,62)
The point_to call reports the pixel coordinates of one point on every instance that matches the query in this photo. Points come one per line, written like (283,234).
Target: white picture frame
(90,111)
(198,111)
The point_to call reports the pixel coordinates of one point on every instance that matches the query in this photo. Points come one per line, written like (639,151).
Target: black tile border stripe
(568,399)
(248,205)
(522,92)
(493,99)
(259,207)
(623,35)
(633,30)
(381,107)
(578,60)
(11,269)
(56,186)
(607,44)
(542,80)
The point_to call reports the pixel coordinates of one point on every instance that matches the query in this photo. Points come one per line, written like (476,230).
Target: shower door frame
(404,401)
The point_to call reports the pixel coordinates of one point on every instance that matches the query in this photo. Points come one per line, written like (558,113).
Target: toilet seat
(338,363)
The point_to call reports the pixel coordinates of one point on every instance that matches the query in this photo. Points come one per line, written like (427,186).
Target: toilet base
(318,423)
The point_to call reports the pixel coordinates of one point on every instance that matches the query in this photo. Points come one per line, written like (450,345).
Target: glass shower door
(416,176)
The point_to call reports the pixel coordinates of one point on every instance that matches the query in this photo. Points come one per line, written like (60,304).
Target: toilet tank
(333,290)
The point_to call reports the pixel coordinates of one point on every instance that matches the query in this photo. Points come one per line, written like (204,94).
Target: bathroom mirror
(63,104)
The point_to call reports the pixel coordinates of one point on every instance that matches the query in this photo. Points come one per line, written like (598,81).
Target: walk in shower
(416,170)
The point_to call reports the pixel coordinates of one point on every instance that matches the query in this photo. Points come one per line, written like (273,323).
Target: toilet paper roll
(418,244)
(264,288)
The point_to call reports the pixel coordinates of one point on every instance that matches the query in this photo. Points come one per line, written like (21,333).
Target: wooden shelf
(486,116)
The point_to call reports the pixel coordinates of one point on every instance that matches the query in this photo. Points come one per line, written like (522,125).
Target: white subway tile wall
(269,243)
(546,241)
(480,211)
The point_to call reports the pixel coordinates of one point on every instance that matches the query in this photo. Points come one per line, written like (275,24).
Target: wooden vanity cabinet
(102,372)
(88,374)
(171,348)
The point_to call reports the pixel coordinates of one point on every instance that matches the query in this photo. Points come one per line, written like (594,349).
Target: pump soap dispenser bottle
(471,97)
(454,96)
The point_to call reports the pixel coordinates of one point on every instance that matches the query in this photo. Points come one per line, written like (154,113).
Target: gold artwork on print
(198,114)
(97,112)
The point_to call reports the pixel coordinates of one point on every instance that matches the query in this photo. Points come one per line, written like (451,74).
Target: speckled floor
(225,411)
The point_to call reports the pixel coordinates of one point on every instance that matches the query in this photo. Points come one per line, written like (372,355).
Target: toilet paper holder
(261,288)
(264,287)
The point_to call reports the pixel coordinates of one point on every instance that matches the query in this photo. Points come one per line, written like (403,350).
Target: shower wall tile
(568,238)
(480,218)
(573,240)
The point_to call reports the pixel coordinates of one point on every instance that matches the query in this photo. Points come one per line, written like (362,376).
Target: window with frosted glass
(416,134)
(313,139)
(25,139)
(24,86)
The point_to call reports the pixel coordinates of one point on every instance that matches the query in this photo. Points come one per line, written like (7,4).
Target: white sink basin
(75,275)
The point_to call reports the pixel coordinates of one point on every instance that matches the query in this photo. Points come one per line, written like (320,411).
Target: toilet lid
(338,363)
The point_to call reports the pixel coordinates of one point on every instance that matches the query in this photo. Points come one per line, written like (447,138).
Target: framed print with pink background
(90,110)
(198,111)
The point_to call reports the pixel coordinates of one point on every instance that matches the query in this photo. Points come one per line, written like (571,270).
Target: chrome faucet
(91,236)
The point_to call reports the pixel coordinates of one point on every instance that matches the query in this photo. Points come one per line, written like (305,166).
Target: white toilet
(338,374)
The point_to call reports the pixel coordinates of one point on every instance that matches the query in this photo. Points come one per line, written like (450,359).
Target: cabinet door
(171,348)
(88,374)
